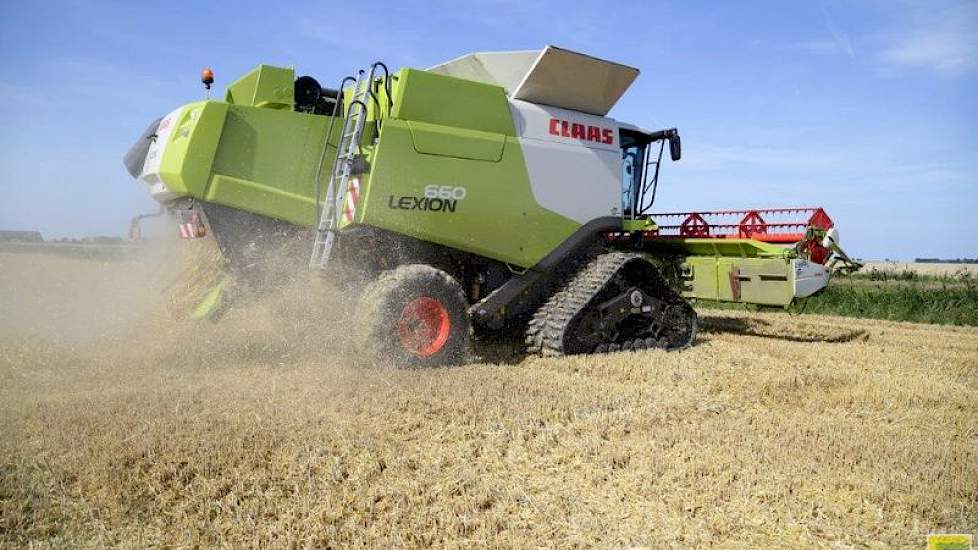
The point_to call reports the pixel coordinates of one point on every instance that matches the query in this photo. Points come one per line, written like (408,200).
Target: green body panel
(253,152)
(190,150)
(640,224)
(744,248)
(713,269)
(266,163)
(498,218)
(212,300)
(421,96)
(454,133)
(765,281)
(431,139)
(264,86)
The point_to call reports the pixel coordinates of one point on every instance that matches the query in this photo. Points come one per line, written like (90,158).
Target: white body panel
(506,69)
(573,160)
(151,166)
(575,81)
(810,277)
(551,76)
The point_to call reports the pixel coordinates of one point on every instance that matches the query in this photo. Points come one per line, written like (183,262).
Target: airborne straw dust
(251,431)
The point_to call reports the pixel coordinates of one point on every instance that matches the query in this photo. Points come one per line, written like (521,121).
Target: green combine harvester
(486,195)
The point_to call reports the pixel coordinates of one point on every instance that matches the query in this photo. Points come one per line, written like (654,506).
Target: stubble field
(774,429)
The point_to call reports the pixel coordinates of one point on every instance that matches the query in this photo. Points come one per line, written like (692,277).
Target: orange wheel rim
(424,326)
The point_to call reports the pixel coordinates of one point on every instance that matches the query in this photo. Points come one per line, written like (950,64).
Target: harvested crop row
(772,428)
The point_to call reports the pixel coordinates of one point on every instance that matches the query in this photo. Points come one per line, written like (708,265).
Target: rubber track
(545,331)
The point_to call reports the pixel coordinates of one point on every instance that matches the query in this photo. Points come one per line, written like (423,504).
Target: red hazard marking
(352,196)
(192,229)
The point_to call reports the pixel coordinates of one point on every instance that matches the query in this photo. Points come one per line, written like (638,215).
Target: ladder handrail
(339,189)
(387,81)
(387,87)
(327,214)
(322,154)
(346,151)
(331,189)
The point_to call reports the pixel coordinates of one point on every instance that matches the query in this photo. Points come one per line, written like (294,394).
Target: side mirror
(675,147)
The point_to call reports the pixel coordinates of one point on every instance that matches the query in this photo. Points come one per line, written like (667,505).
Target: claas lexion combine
(487,194)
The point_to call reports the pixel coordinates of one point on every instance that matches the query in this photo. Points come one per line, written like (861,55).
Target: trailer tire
(414,316)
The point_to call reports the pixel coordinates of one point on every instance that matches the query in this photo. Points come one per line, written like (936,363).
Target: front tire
(414,316)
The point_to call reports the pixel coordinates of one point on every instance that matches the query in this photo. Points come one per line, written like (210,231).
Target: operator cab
(641,155)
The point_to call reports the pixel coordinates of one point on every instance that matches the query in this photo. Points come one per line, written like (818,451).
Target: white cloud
(944,41)
(918,37)
(823,47)
(949,51)
(839,38)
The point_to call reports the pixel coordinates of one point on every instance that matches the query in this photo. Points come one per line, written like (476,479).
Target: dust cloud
(61,296)
(134,303)
(124,424)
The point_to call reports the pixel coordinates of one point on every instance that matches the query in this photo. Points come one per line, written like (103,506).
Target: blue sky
(866,108)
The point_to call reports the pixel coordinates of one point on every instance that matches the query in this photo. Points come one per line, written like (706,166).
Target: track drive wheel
(414,316)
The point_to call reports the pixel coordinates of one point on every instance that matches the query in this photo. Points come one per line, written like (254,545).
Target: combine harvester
(484,195)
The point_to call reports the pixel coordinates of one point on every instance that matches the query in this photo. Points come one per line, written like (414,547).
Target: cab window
(633,148)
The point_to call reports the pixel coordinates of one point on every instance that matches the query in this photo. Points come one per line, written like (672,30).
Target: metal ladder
(346,152)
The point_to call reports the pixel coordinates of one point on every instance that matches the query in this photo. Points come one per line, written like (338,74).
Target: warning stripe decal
(352,196)
(192,229)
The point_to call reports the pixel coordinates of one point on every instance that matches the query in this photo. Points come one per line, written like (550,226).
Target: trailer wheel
(414,315)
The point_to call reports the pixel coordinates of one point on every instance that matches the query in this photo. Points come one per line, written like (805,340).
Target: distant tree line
(947,260)
(21,236)
(90,240)
(11,236)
